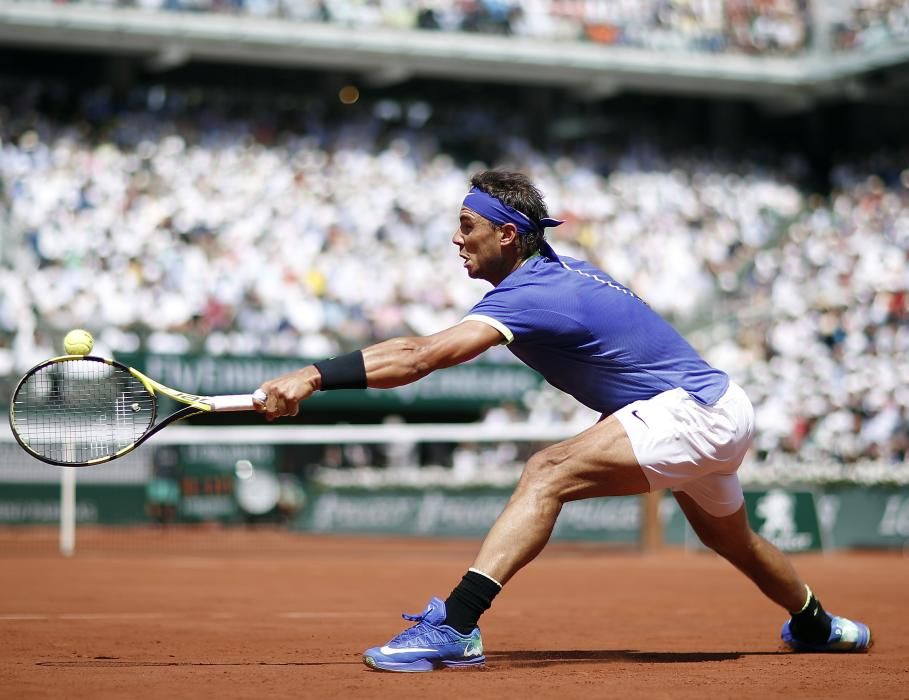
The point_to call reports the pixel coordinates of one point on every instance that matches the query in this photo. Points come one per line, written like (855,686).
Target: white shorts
(683,445)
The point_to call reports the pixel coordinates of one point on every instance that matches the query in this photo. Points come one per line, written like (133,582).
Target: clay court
(231,615)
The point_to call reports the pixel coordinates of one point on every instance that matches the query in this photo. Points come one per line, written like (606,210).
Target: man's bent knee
(550,473)
(541,470)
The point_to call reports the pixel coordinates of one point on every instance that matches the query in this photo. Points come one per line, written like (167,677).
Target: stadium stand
(779,27)
(178,216)
(184,219)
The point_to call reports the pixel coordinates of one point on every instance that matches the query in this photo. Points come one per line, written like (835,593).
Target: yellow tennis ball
(78,342)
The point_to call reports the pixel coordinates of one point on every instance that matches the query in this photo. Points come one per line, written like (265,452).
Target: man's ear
(508,234)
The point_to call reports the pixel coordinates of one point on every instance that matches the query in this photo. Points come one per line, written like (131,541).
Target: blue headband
(496,211)
(499,213)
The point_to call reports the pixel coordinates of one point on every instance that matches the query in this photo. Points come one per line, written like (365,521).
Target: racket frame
(195,405)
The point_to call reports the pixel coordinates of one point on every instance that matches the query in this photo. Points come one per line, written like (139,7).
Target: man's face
(479,246)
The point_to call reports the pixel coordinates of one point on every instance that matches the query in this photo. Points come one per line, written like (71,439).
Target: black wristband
(344,372)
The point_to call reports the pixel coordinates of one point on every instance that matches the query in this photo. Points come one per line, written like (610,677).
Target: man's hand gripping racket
(80,410)
(282,396)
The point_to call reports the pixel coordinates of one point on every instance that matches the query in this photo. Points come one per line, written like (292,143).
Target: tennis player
(670,420)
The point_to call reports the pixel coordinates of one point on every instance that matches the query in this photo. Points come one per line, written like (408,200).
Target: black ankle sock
(470,599)
(811,624)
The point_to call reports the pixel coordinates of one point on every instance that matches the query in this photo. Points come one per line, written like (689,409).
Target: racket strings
(77,411)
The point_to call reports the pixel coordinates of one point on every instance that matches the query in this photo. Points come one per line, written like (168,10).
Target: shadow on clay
(538,659)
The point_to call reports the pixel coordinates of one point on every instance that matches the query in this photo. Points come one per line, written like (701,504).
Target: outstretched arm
(388,364)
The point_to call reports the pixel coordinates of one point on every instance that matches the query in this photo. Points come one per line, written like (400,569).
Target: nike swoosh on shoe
(391,651)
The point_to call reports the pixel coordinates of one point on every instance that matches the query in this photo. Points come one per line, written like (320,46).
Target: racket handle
(236,402)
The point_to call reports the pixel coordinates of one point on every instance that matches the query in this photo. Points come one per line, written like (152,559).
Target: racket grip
(236,402)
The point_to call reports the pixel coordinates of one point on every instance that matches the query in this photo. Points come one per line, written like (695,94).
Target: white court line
(79,616)
(292,615)
(110,616)
(299,615)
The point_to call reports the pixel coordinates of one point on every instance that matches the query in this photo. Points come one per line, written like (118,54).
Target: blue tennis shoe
(429,645)
(845,636)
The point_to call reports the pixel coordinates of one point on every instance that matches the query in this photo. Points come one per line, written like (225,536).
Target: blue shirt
(593,338)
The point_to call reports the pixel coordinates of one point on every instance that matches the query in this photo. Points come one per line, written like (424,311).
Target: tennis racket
(80,410)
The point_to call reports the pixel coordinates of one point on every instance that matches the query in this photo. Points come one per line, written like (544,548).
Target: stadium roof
(391,55)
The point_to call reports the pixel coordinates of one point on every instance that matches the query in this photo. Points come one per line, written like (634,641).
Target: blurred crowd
(866,24)
(181,224)
(780,27)
(829,366)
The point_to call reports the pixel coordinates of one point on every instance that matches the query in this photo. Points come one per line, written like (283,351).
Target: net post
(651,522)
(67,511)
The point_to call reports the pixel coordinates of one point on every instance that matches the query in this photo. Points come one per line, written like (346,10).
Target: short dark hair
(517,191)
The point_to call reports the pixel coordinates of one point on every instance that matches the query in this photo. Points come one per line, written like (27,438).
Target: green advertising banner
(462,513)
(207,478)
(786,518)
(403,512)
(865,516)
(790,519)
(794,520)
(464,387)
(109,504)
(601,519)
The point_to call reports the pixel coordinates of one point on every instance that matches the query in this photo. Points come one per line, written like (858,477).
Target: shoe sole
(423,665)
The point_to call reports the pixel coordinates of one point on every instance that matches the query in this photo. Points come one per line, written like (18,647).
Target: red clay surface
(280,616)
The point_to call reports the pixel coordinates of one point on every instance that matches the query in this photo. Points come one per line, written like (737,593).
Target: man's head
(518,192)
(502,222)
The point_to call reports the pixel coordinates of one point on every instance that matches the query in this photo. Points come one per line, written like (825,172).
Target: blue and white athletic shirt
(593,338)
